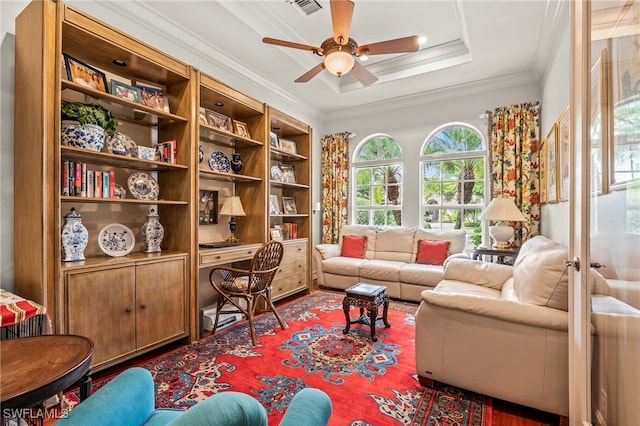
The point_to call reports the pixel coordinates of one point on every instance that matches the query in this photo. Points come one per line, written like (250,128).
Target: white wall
(555,98)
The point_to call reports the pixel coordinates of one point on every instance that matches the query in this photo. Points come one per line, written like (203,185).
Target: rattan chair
(249,285)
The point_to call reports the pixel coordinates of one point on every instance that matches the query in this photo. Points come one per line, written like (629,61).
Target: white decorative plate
(121,144)
(276,173)
(143,186)
(116,240)
(219,162)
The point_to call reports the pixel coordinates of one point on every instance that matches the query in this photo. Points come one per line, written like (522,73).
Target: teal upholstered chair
(128,399)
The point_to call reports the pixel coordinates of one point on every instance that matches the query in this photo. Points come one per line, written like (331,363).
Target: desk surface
(35,368)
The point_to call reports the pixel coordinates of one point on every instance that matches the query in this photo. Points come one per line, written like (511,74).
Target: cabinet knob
(129,309)
(143,306)
(218,257)
(250,252)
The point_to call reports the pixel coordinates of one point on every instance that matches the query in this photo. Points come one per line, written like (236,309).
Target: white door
(605,213)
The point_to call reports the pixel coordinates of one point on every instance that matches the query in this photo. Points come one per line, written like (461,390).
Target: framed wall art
(542,176)
(599,125)
(564,152)
(274,205)
(288,146)
(241,129)
(218,121)
(288,174)
(289,205)
(552,164)
(126,91)
(208,207)
(153,95)
(85,75)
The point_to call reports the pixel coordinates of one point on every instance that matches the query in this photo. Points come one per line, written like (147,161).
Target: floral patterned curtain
(335,185)
(514,149)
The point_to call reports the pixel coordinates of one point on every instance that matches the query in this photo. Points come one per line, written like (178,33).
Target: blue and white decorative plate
(116,240)
(276,173)
(143,186)
(219,162)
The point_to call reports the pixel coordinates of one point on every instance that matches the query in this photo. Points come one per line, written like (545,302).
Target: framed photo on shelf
(273,140)
(276,234)
(202,114)
(274,205)
(288,174)
(289,205)
(218,121)
(288,146)
(126,91)
(153,95)
(85,75)
(240,128)
(552,164)
(208,207)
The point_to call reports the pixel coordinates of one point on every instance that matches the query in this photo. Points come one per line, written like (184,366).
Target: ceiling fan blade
(399,45)
(363,75)
(341,13)
(311,73)
(284,43)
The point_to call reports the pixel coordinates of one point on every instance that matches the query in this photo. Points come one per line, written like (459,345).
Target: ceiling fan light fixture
(339,62)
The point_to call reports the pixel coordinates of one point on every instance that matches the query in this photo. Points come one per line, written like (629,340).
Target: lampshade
(232,207)
(339,62)
(502,209)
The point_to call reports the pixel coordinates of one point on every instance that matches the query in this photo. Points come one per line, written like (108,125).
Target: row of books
(167,151)
(77,181)
(289,231)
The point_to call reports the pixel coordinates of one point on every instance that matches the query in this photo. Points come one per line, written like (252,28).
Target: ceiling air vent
(306,6)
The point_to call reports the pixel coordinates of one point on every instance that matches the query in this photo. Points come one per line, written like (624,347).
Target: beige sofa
(390,260)
(500,330)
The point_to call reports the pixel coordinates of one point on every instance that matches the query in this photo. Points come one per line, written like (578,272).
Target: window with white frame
(453,164)
(377,182)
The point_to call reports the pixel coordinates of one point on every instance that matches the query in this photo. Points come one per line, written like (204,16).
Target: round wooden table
(36,368)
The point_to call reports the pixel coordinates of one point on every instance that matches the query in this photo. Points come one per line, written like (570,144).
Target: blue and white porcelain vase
(200,154)
(152,233)
(74,237)
(87,136)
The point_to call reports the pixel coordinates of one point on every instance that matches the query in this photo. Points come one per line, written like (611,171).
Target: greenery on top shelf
(90,114)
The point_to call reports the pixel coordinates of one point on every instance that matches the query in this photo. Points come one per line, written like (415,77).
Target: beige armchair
(500,330)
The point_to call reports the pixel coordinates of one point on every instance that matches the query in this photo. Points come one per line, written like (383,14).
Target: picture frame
(153,95)
(208,207)
(202,115)
(288,146)
(289,205)
(218,121)
(542,175)
(552,164)
(599,125)
(288,173)
(273,140)
(240,128)
(276,234)
(274,205)
(563,154)
(84,74)
(126,91)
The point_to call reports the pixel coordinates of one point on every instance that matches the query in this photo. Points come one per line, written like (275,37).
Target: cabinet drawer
(288,284)
(295,249)
(213,257)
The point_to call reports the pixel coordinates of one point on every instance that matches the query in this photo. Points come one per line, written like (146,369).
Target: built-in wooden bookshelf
(136,302)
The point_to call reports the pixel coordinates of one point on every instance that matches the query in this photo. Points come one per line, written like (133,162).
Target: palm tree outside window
(453,164)
(377,176)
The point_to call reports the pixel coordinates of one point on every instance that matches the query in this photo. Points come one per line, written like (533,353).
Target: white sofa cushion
(485,274)
(380,270)
(457,237)
(395,244)
(342,265)
(367,230)
(539,275)
(424,275)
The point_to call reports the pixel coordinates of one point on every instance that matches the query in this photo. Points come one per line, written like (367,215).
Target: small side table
(368,296)
(500,254)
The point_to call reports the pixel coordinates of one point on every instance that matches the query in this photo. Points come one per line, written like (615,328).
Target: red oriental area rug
(370,383)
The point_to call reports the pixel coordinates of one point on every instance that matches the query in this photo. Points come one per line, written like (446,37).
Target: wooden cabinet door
(292,274)
(160,301)
(101,306)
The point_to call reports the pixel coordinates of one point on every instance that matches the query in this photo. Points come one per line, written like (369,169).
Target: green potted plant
(79,121)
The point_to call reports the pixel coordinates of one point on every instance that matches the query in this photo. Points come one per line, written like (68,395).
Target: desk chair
(249,285)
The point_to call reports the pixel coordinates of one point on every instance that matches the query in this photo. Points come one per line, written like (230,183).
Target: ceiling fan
(340,51)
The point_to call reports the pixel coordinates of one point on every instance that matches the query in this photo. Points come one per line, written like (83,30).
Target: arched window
(377,182)
(453,163)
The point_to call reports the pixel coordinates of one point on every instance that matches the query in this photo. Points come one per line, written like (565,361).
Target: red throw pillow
(354,246)
(432,252)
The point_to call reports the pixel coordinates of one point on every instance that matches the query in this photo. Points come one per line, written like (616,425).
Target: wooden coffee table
(369,296)
(35,368)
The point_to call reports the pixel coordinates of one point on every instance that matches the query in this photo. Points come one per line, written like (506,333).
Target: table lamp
(502,209)
(232,207)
